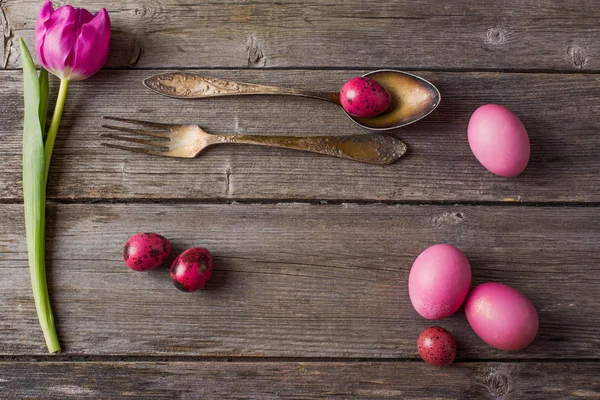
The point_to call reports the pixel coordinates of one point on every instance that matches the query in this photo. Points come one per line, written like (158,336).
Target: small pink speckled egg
(145,251)
(439,281)
(436,346)
(499,140)
(192,269)
(502,316)
(363,97)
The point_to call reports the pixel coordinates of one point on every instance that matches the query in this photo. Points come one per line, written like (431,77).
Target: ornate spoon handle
(372,148)
(191,86)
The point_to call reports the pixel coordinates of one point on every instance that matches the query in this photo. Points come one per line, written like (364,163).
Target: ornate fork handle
(372,148)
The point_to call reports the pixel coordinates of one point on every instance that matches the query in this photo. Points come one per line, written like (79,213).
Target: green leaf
(34,197)
(44,94)
(33,149)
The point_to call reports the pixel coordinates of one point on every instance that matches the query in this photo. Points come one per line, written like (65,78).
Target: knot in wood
(495,36)
(448,218)
(136,51)
(497,382)
(256,56)
(146,11)
(7,34)
(578,55)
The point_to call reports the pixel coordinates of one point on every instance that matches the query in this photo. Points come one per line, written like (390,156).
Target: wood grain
(294,380)
(415,34)
(561,112)
(297,280)
(318,286)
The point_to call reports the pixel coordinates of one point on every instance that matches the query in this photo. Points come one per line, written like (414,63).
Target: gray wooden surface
(465,34)
(561,111)
(293,380)
(312,254)
(297,280)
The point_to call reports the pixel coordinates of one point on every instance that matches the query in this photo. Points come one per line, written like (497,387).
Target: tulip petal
(59,41)
(91,47)
(40,29)
(82,16)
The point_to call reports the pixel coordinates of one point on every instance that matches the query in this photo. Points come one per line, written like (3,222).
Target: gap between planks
(317,202)
(200,359)
(346,68)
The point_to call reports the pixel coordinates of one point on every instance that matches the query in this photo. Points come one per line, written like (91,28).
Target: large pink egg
(501,316)
(499,140)
(439,281)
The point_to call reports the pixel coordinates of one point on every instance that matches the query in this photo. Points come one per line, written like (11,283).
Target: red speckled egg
(363,97)
(436,346)
(192,269)
(145,251)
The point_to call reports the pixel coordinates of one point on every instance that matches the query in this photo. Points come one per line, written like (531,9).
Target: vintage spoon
(413,97)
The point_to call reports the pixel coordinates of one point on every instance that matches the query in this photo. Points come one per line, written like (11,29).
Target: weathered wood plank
(293,380)
(297,280)
(466,34)
(561,113)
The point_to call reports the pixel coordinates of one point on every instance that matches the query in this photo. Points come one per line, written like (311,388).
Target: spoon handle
(372,148)
(191,86)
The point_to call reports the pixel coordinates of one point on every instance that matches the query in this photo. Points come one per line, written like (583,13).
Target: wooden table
(309,296)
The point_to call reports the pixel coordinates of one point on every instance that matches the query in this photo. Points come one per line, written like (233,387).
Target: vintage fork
(187,141)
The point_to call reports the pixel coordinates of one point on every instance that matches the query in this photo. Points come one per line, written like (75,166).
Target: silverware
(413,98)
(187,141)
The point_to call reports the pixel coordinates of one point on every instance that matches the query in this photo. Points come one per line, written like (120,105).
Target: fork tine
(138,150)
(157,125)
(157,143)
(138,131)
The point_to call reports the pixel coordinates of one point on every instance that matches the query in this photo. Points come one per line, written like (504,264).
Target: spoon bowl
(413,98)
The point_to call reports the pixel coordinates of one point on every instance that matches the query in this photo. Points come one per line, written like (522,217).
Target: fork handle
(372,148)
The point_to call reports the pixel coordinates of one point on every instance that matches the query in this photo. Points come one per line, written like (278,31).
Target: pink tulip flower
(70,42)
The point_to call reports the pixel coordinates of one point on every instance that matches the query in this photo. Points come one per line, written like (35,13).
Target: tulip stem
(55,123)
(38,274)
